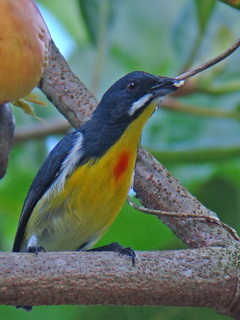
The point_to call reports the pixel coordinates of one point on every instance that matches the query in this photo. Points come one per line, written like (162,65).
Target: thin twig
(171,104)
(41,130)
(183,215)
(210,63)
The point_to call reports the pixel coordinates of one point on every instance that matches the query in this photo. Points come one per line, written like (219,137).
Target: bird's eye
(132,86)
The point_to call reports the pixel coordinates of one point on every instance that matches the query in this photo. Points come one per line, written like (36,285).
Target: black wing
(43,180)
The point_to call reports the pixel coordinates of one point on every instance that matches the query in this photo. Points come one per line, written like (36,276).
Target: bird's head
(128,97)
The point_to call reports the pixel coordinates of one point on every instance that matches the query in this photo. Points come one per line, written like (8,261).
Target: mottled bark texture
(206,275)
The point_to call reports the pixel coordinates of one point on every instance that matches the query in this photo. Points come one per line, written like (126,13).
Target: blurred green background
(102,41)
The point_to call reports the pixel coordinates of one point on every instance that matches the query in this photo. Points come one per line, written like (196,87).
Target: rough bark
(169,278)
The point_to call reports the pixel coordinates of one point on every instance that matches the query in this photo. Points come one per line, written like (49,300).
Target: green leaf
(204,10)
(97,16)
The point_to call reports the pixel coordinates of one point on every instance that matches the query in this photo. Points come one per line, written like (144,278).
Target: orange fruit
(24,40)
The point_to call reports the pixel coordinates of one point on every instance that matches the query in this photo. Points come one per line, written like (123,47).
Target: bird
(84,181)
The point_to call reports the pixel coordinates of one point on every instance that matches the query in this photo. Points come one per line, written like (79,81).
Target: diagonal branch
(154,185)
(210,63)
(184,216)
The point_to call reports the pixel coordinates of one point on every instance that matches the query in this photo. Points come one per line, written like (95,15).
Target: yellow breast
(92,197)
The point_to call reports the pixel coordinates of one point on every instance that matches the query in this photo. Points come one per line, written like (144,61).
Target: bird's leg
(33,247)
(26,308)
(116,247)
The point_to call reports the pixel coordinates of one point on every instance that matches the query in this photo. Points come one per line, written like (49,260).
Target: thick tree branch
(170,278)
(158,189)
(68,94)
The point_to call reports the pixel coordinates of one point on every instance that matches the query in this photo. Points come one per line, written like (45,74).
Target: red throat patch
(121,165)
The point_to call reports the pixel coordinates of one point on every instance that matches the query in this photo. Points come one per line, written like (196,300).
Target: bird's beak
(166,86)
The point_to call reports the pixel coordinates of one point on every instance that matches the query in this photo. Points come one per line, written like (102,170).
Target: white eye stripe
(140,103)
